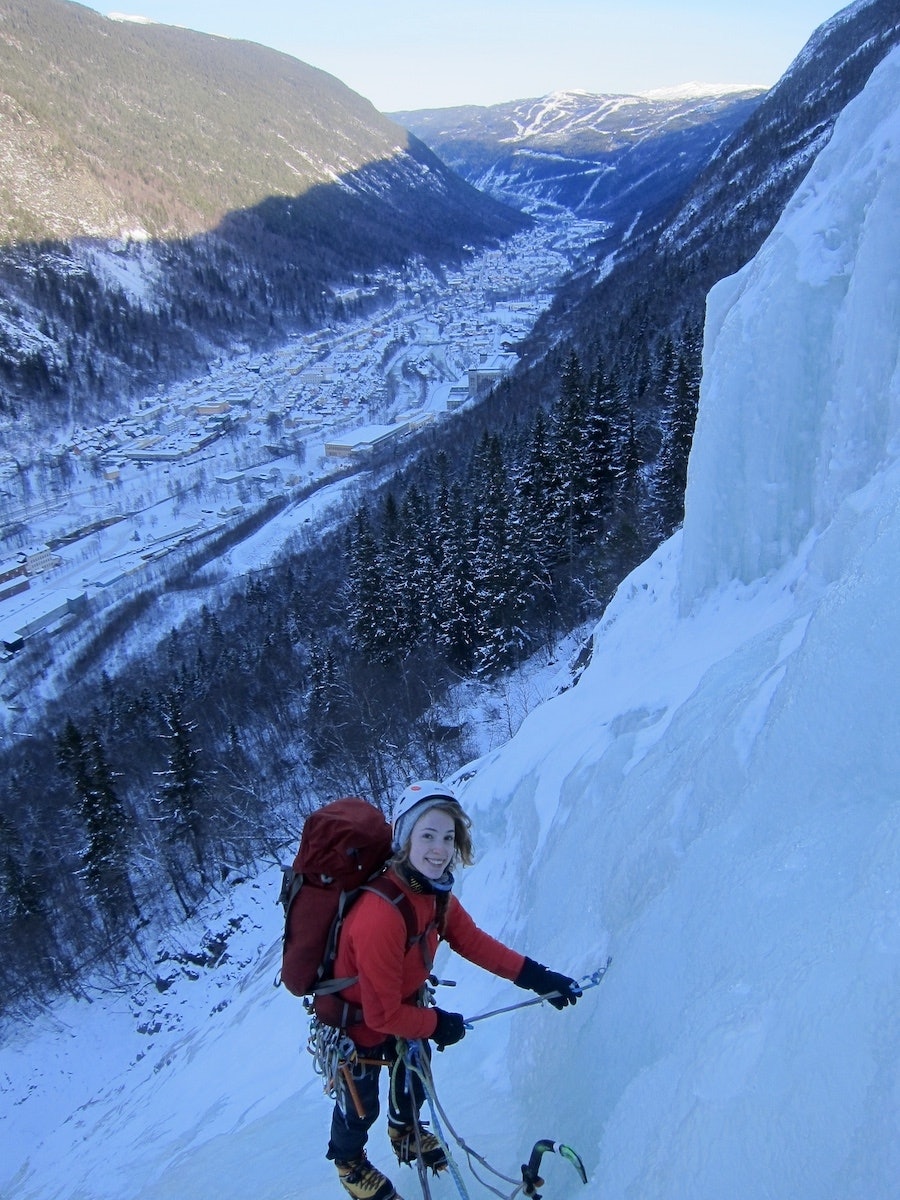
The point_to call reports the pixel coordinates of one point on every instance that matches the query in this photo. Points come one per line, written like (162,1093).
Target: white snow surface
(715,805)
(698,91)
(138,20)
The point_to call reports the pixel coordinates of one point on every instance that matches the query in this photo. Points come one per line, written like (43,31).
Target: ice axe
(531,1180)
(588,981)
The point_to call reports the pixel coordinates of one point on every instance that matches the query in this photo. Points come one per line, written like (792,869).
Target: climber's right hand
(450,1028)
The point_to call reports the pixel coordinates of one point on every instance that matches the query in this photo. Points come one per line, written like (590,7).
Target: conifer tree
(407,566)
(370,613)
(182,794)
(535,484)
(21,897)
(104,859)
(454,593)
(418,560)
(605,437)
(572,512)
(500,589)
(29,948)
(681,390)
(322,702)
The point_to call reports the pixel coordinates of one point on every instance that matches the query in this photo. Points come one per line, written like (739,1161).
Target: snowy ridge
(700,91)
(648,148)
(563,115)
(714,805)
(842,17)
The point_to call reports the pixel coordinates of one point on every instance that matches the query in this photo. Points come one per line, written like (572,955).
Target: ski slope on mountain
(715,805)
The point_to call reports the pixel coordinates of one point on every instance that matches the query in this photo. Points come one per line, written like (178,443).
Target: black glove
(450,1028)
(537,978)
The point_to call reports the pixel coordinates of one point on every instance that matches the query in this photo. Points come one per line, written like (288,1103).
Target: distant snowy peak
(578,120)
(700,91)
(563,97)
(605,157)
(564,115)
(133,18)
(561,115)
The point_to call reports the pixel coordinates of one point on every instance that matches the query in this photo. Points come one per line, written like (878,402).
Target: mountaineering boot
(363,1181)
(403,1139)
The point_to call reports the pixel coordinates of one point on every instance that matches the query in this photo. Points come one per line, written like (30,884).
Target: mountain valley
(176,360)
(242,188)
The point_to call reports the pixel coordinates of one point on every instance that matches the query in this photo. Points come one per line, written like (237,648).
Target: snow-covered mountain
(714,805)
(606,157)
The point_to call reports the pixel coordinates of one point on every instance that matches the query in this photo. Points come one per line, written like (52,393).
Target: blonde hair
(463,851)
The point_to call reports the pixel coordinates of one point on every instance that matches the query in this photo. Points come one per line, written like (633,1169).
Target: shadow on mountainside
(88,323)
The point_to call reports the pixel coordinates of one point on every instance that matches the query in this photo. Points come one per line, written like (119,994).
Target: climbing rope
(417,1064)
(336,1059)
(334,1054)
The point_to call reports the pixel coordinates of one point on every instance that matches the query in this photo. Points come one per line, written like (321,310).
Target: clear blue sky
(406,54)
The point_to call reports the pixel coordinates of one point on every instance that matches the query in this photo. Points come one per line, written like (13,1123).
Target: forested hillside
(123,129)
(240,188)
(334,670)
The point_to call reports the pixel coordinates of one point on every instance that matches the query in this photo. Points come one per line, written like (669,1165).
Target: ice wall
(800,401)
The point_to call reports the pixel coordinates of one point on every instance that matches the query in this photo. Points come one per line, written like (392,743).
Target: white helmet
(414,802)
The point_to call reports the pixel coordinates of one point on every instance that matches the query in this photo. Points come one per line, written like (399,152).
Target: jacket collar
(421,884)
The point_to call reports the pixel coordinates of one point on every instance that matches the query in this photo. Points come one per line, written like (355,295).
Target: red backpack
(344,848)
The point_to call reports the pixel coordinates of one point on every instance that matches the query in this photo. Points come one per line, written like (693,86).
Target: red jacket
(374,946)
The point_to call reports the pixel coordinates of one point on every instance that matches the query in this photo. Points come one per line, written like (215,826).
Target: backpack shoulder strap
(391,891)
(291,883)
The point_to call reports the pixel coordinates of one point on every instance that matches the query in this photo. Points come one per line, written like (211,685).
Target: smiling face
(432,843)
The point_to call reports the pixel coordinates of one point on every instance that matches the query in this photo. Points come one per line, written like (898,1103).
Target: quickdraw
(336,1058)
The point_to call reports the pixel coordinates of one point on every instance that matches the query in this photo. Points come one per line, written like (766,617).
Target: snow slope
(714,805)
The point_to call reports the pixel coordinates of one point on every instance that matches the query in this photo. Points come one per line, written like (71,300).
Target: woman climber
(390,968)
